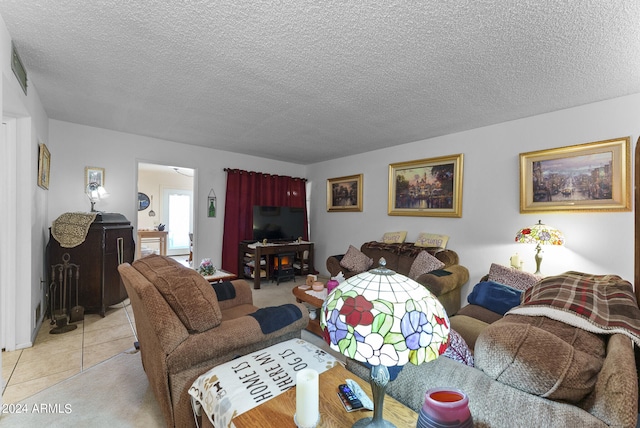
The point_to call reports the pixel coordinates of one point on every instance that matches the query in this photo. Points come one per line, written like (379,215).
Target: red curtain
(246,189)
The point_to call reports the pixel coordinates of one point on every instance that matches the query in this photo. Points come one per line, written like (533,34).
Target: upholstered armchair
(186,326)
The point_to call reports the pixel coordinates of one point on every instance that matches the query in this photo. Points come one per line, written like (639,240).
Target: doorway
(165,198)
(177,214)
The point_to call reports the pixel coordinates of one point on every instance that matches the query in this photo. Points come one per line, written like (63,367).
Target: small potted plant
(206,267)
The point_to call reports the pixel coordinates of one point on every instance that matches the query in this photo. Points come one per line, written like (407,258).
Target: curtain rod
(239,171)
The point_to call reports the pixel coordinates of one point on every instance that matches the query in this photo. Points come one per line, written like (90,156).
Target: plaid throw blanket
(603,304)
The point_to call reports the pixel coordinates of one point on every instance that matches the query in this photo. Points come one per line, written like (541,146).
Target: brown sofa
(445,285)
(520,357)
(185,327)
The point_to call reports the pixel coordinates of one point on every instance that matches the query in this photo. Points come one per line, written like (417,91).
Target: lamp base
(379,379)
(538,258)
(370,423)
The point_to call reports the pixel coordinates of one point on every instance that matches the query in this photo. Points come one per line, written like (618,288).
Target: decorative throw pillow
(190,296)
(424,263)
(512,277)
(494,296)
(458,349)
(355,260)
(541,356)
(394,237)
(431,240)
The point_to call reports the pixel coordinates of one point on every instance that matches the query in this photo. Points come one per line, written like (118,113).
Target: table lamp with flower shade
(539,234)
(95,192)
(385,319)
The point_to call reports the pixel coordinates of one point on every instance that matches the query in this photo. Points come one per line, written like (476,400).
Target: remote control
(348,398)
(362,396)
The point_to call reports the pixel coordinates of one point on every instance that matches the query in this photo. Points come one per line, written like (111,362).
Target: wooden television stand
(258,250)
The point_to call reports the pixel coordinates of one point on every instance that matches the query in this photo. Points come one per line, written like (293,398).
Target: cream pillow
(355,260)
(431,240)
(394,237)
(424,263)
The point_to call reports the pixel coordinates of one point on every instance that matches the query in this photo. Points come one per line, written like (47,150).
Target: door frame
(9,235)
(636,182)
(194,199)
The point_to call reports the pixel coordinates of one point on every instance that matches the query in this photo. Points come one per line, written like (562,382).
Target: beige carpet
(116,393)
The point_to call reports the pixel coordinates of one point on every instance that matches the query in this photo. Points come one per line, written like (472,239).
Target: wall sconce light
(211,203)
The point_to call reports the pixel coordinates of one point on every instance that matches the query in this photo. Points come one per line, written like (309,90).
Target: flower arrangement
(206,267)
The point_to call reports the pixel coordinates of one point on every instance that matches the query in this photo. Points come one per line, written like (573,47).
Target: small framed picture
(44,166)
(426,187)
(585,177)
(344,194)
(93,174)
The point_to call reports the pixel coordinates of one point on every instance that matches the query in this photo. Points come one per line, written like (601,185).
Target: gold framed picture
(426,187)
(44,166)
(93,174)
(585,177)
(344,194)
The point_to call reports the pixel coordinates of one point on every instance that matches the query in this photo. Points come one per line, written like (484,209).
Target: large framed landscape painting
(585,177)
(344,194)
(426,187)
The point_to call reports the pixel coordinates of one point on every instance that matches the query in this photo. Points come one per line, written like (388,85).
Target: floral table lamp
(385,319)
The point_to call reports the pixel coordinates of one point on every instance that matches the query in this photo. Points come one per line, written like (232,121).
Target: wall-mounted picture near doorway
(44,166)
(344,194)
(585,177)
(93,174)
(426,187)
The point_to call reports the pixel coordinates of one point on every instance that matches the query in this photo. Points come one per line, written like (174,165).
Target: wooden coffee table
(279,411)
(220,275)
(303,296)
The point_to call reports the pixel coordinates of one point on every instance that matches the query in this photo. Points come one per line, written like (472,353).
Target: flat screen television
(277,223)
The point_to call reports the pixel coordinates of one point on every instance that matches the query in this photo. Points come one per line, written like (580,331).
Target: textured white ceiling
(306,81)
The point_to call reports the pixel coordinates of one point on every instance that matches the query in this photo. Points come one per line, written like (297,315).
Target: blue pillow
(494,296)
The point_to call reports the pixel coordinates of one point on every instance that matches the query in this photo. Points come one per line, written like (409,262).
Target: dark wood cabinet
(108,243)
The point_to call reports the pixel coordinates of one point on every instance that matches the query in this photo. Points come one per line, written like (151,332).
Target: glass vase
(445,407)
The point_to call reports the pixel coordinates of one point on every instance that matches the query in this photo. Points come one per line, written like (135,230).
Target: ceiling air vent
(18,68)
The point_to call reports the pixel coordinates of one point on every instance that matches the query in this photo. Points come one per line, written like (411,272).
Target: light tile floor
(56,357)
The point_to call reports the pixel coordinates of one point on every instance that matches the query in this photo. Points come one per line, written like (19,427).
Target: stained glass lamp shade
(385,319)
(540,234)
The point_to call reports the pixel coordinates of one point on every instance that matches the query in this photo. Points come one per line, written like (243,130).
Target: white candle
(515,261)
(307,398)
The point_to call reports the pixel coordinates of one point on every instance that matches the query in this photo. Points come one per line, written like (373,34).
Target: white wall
(75,146)
(595,242)
(26,204)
